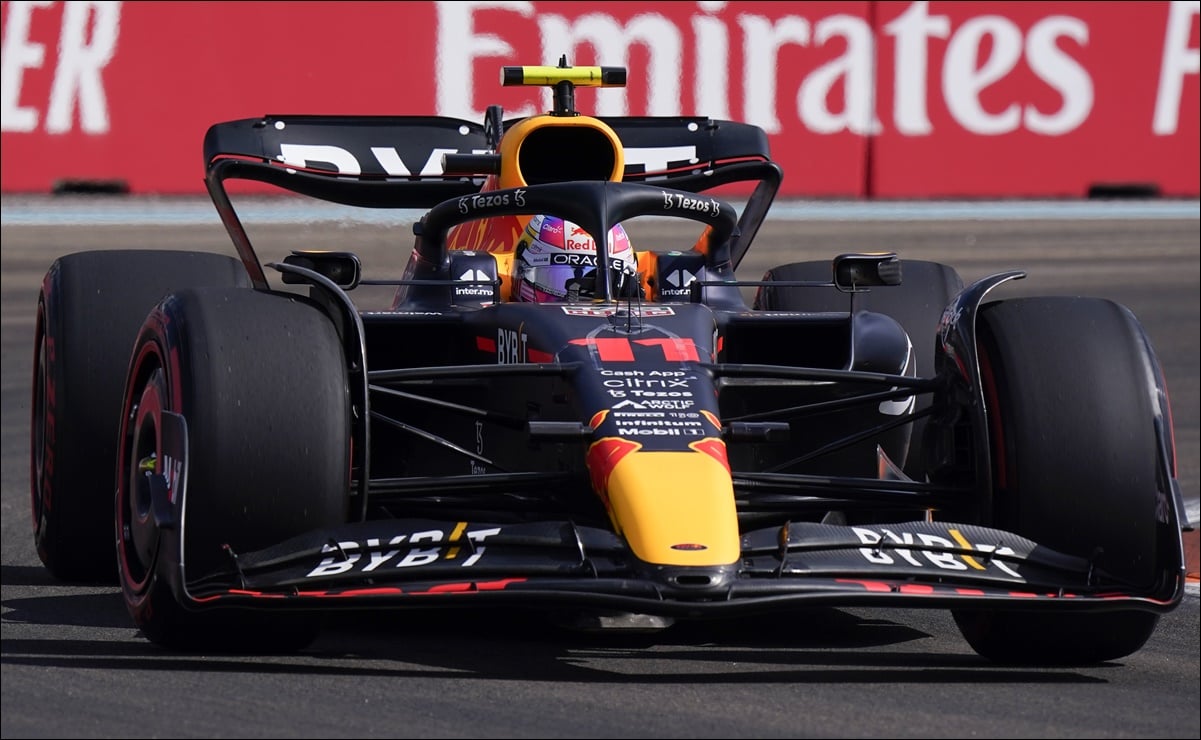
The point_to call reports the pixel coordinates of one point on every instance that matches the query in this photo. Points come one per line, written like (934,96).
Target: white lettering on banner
(711,83)
(760,41)
(909,103)
(657,34)
(1178,60)
(964,75)
(1061,72)
(86,44)
(17,54)
(459,46)
(854,67)
(963,81)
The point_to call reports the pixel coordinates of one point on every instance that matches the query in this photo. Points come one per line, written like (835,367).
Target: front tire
(89,311)
(261,382)
(1072,389)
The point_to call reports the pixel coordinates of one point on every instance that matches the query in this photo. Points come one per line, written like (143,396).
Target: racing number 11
(620,349)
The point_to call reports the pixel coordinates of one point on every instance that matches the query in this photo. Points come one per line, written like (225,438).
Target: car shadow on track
(88,628)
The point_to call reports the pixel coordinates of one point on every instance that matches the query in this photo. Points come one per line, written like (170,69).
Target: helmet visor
(560,283)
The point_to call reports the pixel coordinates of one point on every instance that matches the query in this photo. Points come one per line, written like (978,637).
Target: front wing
(424,563)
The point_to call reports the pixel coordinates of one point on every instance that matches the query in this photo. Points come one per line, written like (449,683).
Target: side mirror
(341,267)
(853,272)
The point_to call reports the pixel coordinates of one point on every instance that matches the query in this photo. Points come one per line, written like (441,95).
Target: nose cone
(673,507)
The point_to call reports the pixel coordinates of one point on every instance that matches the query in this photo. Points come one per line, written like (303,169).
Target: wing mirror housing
(343,268)
(854,272)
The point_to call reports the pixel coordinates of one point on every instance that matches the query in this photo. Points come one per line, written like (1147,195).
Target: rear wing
(397,161)
(368,161)
(404,153)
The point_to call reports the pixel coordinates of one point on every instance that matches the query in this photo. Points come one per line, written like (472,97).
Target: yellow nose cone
(675,508)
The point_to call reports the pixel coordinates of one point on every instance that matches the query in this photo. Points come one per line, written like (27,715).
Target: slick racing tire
(1071,388)
(261,383)
(89,311)
(916,304)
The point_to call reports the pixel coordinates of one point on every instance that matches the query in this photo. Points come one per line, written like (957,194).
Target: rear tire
(1071,388)
(261,381)
(89,311)
(916,304)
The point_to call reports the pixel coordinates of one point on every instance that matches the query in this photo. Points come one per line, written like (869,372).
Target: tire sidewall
(193,349)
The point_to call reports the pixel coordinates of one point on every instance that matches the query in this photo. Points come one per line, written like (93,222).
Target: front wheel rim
(139,533)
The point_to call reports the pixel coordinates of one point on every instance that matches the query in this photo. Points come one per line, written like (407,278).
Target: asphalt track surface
(74,667)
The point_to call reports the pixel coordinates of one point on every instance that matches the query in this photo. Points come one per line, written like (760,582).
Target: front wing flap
(425,563)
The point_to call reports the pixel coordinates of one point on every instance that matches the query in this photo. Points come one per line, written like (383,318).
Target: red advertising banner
(1036,98)
(860,99)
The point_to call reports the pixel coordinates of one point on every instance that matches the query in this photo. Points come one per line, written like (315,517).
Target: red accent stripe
(868,585)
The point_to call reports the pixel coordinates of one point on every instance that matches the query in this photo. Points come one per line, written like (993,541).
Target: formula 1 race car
(553,415)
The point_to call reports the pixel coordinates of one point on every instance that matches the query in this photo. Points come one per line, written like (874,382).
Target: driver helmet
(555,262)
